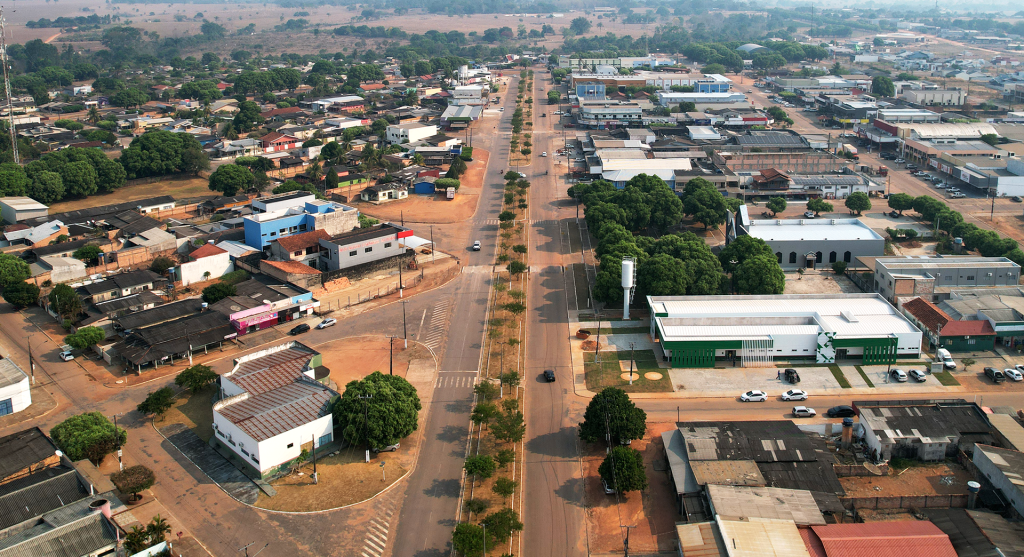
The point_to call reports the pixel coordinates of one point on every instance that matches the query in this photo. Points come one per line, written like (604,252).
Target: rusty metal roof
(281,410)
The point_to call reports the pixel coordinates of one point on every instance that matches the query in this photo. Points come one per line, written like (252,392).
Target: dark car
(299,329)
(894,214)
(841,412)
(1016,199)
(549,375)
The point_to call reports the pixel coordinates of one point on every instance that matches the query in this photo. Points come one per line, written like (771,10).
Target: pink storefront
(255,319)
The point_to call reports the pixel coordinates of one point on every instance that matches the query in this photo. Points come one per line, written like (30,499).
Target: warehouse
(694,331)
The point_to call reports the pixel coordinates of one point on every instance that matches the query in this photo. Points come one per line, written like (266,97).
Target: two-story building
(605,114)
(290,213)
(275,142)
(302,248)
(409,132)
(931,276)
(362,246)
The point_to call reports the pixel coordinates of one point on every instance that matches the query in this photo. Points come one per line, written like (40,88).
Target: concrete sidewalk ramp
(229,478)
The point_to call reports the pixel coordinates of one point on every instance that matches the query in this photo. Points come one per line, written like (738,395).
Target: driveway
(235,483)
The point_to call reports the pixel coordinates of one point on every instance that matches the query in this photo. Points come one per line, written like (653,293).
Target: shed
(424,185)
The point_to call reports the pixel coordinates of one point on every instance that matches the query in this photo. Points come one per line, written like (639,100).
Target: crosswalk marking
(478,269)
(455,380)
(376,539)
(438,317)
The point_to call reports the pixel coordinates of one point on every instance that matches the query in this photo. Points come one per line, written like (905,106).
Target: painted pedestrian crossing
(377,534)
(436,327)
(455,380)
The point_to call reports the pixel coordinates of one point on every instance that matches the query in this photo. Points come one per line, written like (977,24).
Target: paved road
(428,514)
(553,510)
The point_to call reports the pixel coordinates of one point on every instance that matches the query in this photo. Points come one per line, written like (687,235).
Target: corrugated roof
(727,472)
(906,538)
(759,537)
(976,327)
(700,540)
(737,502)
(272,371)
(160,314)
(292,267)
(206,250)
(23,449)
(10,373)
(1009,428)
(297,242)
(280,410)
(927,313)
(37,494)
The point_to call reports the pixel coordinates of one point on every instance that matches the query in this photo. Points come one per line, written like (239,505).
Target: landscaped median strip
(863,375)
(838,374)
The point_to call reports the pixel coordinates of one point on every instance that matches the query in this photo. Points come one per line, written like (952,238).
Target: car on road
(1014,374)
(899,375)
(329,322)
(911,167)
(918,375)
(544,154)
(607,490)
(754,396)
(549,375)
(476,245)
(1016,199)
(841,411)
(894,214)
(794,394)
(958,195)
(940,186)
(898,161)
(808,214)
(388,449)
(298,330)
(750,90)
(66,354)
(803,412)
(501,109)
(543,115)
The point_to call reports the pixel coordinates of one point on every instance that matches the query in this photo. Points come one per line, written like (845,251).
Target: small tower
(628,284)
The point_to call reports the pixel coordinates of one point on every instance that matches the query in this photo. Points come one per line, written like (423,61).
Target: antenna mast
(7,87)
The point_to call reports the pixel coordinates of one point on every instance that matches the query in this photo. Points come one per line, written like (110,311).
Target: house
(292,272)
(156,315)
(240,148)
(931,277)
(409,132)
(694,331)
(273,408)
(15,391)
(348,103)
(282,302)
(122,284)
(282,114)
(17,209)
(942,331)
(363,246)
(1001,468)
(381,193)
(207,262)
(282,215)
(275,142)
(165,342)
(303,248)
(923,429)
(34,236)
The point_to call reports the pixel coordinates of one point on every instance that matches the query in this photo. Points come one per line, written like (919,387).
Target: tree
(858,202)
(196,378)
(501,524)
(819,205)
(85,337)
(21,294)
(554,97)
(504,487)
(46,187)
(580,25)
(743,248)
(483,412)
(133,480)
(89,435)
(248,116)
(161,264)
(516,268)
(442,184)
(217,292)
(457,168)
(702,201)
(990,138)
(390,413)
(883,86)
(12,270)
(661,275)
(194,161)
(759,275)
(625,420)
(967,362)
(129,98)
(927,206)
(468,539)
(509,426)
(230,179)
(80,179)
(480,465)
(901,202)
(88,253)
(839,267)
(157,402)
(623,470)
(666,209)
(65,301)
(776,205)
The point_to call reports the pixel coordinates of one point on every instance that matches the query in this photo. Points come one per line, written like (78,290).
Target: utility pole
(316,480)
(7,88)
(366,423)
(631,345)
(401,293)
(117,441)
(391,355)
(626,545)
(432,250)
(246,548)
(31,362)
(405,327)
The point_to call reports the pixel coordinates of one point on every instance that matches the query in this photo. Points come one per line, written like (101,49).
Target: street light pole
(405,327)
(117,441)
(366,423)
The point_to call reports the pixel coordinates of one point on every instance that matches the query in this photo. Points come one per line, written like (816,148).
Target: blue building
(423,185)
(590,91)
(276,217)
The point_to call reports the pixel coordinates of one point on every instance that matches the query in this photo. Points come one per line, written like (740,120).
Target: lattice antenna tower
(7,87)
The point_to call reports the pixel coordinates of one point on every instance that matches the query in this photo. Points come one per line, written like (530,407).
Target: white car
(329,322)
(476,245)
(754,396)
(899,375)
(794,394)
(958,195)
(803,412)
(1012,373)
(918,375)
(808,214)
(544,154)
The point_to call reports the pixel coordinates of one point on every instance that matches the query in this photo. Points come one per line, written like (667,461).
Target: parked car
(899,375)
(543,114)
(1012,373)
(841,411)
(803,412)
(791,376)
(298,330)
(940,185)
(607,490)
(1016,199)
(329,322)
(66,354)
(794,394)
(388,449)
(995,375)
(911,167)
(943,355)
(899,161)
(476,245)
(958,195)
(894,214)
(754,396)
(544,154)
(808,214)
(918,375)
(549,375)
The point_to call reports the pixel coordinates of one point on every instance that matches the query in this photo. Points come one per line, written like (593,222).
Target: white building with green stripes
(694,331)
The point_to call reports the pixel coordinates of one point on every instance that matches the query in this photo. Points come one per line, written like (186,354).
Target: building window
(290,445)
(219,432)
(368,250)
(297,254)
(792,257)
(387,245)
(832,257)
(244,452)
(970,277)
(6,407)
(324,439)
(972,340)
(778,255)
(352,253)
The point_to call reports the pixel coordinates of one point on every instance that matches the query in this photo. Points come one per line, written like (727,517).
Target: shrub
(480,465)
(133,480)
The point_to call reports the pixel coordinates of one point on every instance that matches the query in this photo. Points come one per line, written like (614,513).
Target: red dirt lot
(356,357)
(917,480)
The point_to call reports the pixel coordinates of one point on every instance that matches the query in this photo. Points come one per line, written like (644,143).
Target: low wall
(853,470)
(916,501)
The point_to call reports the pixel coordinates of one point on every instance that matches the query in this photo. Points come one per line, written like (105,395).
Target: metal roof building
(695,330)
(925,429)
(1004,469)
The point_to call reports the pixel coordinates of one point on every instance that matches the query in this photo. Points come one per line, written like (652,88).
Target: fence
(915,501)
(848,470)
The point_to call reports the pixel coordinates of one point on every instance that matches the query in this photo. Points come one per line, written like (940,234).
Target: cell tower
(7,87)
(628,284)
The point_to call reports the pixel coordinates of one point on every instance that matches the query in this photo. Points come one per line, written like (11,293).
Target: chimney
(847,438)
(101,505)
(972,494)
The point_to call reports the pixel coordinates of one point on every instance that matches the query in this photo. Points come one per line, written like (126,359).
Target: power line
(7,87)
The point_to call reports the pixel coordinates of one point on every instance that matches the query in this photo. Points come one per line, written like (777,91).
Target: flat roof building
(694,331)
(914,275)
(812,242)
(922,429)
(17,209)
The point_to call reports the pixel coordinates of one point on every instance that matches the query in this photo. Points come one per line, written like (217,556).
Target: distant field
(177,188)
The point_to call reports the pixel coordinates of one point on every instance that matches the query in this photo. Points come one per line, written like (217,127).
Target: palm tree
(94,115)
(417,159)
(315,173)
(157,530)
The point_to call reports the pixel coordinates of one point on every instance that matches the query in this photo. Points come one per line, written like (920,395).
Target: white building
(694,331)
(15,390)
(468,95)
(272,408)
(409,132)
(208,262)
(1002,468)
(670,99)
(17,209)
(812,242)
(323,104)
(932,97)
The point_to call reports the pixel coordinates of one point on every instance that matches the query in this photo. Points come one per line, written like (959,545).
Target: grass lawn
(344,479)
(605,331)
(946,378)
(195,411)
(838,374)
(608,373)
(860,370)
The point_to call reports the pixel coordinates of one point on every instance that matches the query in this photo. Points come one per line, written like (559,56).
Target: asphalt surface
(428,514)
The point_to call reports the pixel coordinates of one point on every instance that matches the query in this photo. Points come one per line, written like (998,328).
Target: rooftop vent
(849,316)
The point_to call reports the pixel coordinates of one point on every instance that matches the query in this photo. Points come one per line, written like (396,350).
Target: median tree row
(642,221)
(950,223)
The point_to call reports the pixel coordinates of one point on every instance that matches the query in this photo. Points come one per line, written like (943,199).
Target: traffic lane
(553,489)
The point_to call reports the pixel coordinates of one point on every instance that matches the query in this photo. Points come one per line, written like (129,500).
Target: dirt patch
(178,188)
(818,282)
(353,358)
(918,479)
(344,478)
(194,411)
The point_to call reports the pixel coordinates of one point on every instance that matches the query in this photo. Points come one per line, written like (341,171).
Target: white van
(942,355)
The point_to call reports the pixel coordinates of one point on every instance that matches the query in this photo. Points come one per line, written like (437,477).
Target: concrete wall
(826,247)
(998,479)
(343,257)
(231,436)
(288,446)
(337,222)
(195,271)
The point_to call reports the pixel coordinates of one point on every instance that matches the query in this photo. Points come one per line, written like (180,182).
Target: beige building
(935,97)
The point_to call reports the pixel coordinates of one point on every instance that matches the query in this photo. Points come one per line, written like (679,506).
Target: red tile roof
(274,136)
(281,111)
(296,242)
(906,538)
(964,328)
(927,313)
(371,86)
(206,251)
(293,267)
